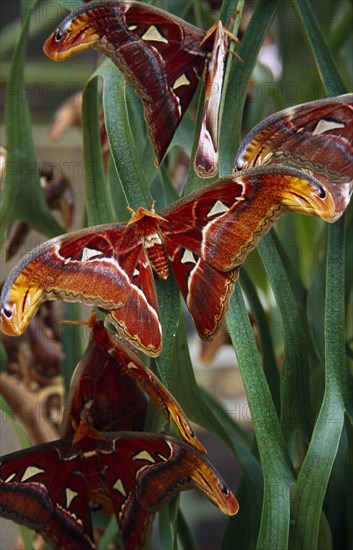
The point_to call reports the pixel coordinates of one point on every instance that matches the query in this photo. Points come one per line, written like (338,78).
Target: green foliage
(292,493)
(22,197)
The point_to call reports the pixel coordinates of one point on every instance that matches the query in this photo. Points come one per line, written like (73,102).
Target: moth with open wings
(204,237)
(49,487)
(162,57)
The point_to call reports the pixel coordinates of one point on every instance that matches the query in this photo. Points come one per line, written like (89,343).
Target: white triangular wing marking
(144,455)
(326,125)
(88,253)
(118,486)
(154,35)
(188,257)
(218,208)
(10,478)
(32,471)
(181,81)
(162,457)
(70,495)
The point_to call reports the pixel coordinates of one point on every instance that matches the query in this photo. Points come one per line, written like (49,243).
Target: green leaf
(184,532)
(276,465)
(22,198)
(97,198)
(335,505)
(263,326)
(349,482)
(242,528)
(323,58)
(291,222)
(118,198)
(169,305)
(167,522)
(27,536)
(316,469)
(203,409)
(139,132)
(5,408)
(294,388)
(316,309)
(111,532)
(121,140)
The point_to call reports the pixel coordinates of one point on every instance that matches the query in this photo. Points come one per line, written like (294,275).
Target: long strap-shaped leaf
(326,67)
(263,326)
(120,137)
(22,197)
(97,198)
(169,304)
(276,465)
(203,409)
(315,471)
(294,389)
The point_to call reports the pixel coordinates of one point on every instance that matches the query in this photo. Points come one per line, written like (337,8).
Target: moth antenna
(153,208)
(232,19)
(141,212)
(231,36)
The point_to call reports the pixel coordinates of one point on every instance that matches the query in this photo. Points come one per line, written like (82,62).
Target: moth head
(72,36)
(20,300)
(144,214)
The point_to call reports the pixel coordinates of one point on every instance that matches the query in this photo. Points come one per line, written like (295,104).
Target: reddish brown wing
(102,394)
(126,361)
(159,467)
(315,136)
(159,54)
(44,489)
(206,290)
(209,233)
(105,390)
(132,474)
(104,266)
